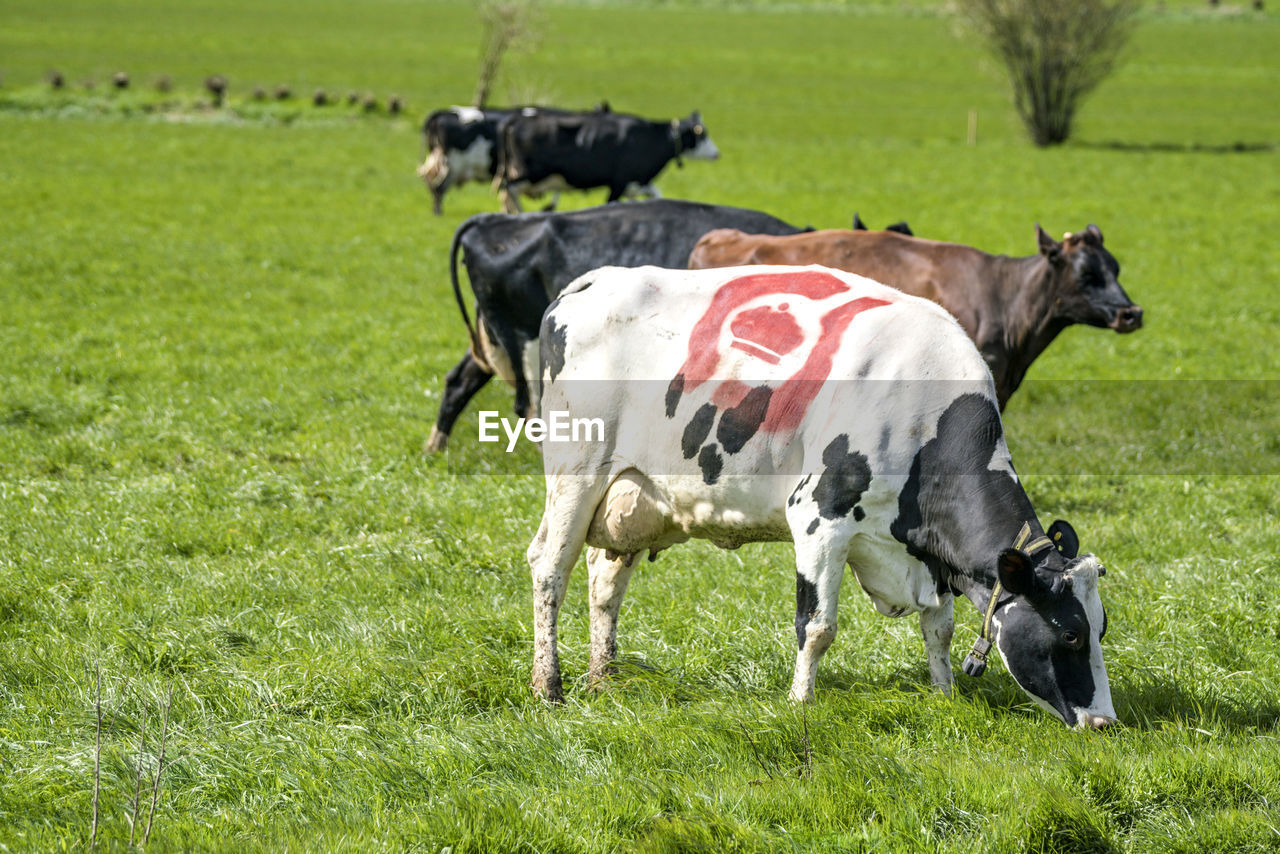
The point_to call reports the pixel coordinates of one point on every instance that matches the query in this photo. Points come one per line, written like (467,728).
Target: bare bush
(1054,51)
(505,25)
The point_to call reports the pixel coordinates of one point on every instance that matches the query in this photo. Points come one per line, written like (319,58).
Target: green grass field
(215,338)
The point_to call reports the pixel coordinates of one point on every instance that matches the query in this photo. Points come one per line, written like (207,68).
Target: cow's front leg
(571,502)
(937,625)
(608,583)
(460,385)
(820,564)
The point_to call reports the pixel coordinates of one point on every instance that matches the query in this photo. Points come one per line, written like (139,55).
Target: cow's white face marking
(1029,645)
(1084,585)
(467,115)
(704,150)
(471,163)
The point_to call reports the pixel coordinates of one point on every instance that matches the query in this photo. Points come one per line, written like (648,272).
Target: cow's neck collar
(976,661)
(677,140)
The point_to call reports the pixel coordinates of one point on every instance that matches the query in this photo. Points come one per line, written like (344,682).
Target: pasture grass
(216,337)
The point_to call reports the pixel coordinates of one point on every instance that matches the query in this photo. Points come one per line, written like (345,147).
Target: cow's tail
(476,349)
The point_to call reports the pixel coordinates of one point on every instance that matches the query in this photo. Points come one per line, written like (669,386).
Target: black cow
(518,264)
(462,145)
(625,153)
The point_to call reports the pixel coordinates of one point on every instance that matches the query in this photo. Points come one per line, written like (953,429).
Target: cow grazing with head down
(619,151)
(815,406)
(1012,308)
(518,264)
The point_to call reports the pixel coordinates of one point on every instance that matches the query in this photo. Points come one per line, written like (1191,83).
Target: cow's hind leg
(571,503)
(608,582)
(937,626)
(460,385)
(820,561)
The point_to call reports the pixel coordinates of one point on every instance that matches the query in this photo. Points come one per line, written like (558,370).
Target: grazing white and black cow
(816,406)
(622,152)
(518,264)
(461,144)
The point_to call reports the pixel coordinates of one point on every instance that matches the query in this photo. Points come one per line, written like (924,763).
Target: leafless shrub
(505,25)
(1054,51)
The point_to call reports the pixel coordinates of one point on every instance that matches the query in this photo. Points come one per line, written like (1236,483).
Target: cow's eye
(1070,638)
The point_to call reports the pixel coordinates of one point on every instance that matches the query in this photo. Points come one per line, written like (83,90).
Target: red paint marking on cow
(769,334)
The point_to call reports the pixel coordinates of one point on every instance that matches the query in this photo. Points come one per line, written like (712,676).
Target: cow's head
(1085,283)
(1048,625)
(695,142)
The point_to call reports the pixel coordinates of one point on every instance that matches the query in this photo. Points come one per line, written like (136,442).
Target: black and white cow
(462,145)
(518,264)
(811,405)
(622,152)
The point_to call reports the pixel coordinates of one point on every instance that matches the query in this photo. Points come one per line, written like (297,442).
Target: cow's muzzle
(1127,319)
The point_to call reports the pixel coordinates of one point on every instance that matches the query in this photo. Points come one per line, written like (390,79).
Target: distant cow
(622,152)
(462,145)
(1012,308)
(813,406)
(518,264)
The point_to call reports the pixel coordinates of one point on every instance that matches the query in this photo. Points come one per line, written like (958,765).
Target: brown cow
(1012,308)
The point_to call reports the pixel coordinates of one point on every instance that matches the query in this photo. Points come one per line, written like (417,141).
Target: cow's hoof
(437,442)
(599,678)
(548,690)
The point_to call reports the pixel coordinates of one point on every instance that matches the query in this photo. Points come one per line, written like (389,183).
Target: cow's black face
(1049,634)
(695,139)
(1087,282)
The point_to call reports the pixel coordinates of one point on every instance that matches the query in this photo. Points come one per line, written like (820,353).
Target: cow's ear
(1016,572)
(1049,247)
(1064,539)
(1093,234)
(858,224)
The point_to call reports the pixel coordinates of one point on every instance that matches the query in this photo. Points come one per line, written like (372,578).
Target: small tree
(505,24)
(1055,52)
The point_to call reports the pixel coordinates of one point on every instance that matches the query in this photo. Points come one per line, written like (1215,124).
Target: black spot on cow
(674,391)
(711,464)
(806,604)
(739,424)
(697,430)
(1065,680)
(794,497)
(859,514)
(813,526)
(553,342)
(845,477)
(950,493)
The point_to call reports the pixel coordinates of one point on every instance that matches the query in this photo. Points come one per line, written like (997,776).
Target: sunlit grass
(216,339)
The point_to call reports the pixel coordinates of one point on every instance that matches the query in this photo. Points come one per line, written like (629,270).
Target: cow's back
(631,346)
(925,268)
